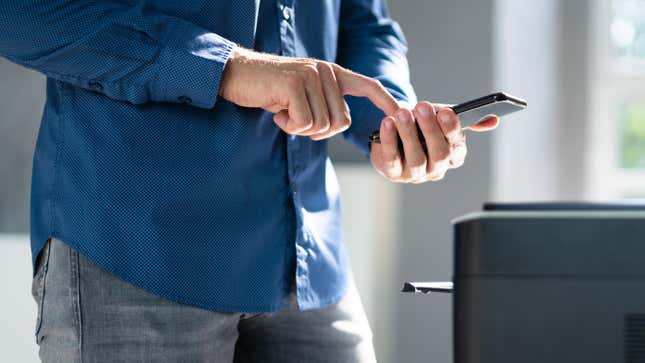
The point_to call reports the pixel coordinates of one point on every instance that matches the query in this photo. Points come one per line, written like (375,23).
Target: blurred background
(579,63)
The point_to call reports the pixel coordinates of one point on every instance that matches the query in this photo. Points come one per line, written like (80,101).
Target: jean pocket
(38,284)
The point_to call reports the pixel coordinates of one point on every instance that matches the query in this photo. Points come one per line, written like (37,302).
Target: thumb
(354,84)
(487,123)
(281,118)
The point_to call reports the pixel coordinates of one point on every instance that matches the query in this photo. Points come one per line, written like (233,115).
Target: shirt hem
(327,302)
(173,297)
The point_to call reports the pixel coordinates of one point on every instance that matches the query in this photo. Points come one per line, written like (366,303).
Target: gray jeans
(86,314)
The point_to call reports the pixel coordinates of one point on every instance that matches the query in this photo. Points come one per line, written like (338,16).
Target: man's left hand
(445,140)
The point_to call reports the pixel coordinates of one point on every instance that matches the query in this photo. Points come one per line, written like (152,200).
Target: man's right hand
(305,95)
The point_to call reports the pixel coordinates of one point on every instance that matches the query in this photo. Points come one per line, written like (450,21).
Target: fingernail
(403,116)
(424,110)
(388,125)
(418,173)
(445,118)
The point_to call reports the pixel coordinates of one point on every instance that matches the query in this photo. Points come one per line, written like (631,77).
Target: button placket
(287,34)
(294,146)
(286,13)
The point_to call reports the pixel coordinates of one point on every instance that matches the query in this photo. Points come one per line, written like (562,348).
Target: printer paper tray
(427,287)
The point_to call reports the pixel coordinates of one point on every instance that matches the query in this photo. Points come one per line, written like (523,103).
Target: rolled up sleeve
(127,53)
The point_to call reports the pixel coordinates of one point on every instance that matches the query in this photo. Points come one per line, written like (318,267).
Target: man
(183,205)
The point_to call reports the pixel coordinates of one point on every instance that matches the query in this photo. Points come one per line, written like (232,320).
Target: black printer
(548,283)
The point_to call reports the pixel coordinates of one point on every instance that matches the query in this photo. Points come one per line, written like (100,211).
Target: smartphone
(470,112)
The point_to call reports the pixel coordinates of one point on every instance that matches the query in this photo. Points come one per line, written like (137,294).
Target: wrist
(242,69)
(229,69)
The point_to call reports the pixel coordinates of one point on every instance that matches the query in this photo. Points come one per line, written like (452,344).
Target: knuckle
(417,174)
(432,170)
(335,125)
(323,126)
(376,84)
(302,125)
(392,159)
(310,71)
(386,168)
(418,163)
(393,167)
(436,177)
(294,81)
(456,163)
(435,173)
(324,120)
(290,128)
(392,175)
(324,67)
(340,123)
(454,136)
(426,104)
(459,148)
(426,113)
(336,68)
(311,130)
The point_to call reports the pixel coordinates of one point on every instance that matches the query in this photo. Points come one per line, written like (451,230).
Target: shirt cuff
(191,66)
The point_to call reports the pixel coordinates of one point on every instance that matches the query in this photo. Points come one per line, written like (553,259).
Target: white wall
(451,59)
(525,149)
(17,308)
(542,54)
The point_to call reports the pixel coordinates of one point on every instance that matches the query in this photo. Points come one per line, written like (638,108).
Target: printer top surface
(552,239)
(625,205)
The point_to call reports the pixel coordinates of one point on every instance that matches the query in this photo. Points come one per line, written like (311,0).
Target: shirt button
(95,86)
(286,13)
(185,100)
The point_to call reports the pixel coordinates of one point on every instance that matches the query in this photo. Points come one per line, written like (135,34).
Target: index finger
(355,84)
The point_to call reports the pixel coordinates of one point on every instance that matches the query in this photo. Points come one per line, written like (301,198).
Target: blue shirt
(140,167)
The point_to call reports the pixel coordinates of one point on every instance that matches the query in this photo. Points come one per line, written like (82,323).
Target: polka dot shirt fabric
(141,168)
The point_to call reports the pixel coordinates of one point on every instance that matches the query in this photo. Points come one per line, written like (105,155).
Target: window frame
(613,82)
